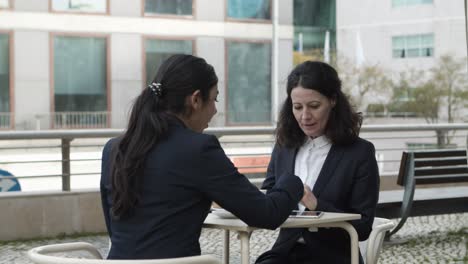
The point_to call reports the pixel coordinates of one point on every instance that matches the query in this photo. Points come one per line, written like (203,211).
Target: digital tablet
(306,214)
(222,213)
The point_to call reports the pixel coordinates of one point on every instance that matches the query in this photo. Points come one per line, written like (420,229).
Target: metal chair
(370,249)
(39,255)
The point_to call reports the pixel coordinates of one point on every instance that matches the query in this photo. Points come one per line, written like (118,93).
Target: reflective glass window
(158,50)
(314,29)
(413,46)
(397,3)
(249,9)
(86,6)
(249,83)
(4,81)
(169,7)
(80,74)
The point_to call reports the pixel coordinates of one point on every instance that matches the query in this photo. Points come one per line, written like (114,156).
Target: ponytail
(177,77)
(148,125)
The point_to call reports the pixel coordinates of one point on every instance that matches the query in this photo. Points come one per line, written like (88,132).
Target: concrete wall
(126,75)
(31,78)
(209,10)
(130,8)
(285,66)
(34,215)
(285,10)
(31,6)
(205,47)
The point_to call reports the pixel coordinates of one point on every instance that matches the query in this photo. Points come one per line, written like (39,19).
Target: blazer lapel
(331,162)
(290,162)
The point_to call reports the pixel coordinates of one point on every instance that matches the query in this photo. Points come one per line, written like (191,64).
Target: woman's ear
(195,100)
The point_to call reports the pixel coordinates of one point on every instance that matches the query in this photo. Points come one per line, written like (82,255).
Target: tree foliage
(440,94)
(364,84)
(450,76)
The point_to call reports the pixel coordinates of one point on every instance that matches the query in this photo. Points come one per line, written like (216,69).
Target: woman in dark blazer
(317,140)
(160,178)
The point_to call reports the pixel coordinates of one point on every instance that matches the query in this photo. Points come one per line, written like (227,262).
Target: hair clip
(156,88)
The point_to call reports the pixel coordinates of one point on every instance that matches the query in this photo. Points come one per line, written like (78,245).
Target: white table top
(213,221)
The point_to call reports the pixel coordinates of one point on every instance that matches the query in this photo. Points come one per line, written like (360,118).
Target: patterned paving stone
(430,239)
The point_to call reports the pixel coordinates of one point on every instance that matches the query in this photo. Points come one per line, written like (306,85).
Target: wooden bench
(248,165)
(252,164)
(428,167)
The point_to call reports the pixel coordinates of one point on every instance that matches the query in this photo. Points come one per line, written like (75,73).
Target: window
(413,46)
(158,50)
(4,4)
(249,82)
(85,6)
(169,7)
(249,9)
(397,3)
(312,20)
(80,81)
(5,81)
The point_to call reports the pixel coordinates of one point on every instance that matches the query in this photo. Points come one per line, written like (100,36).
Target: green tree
(367,84)
(426,101)
(403,101)
(437,95)
(450,76)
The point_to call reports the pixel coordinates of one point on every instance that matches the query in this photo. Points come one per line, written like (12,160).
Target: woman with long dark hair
(317,139)
(160,178)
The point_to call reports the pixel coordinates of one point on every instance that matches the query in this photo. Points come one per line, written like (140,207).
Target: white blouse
(310,159)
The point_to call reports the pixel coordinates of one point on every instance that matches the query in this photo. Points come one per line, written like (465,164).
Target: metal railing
(25,152)
(79,120)
(392,114)
(70,120)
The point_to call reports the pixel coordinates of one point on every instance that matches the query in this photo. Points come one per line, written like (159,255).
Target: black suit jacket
(183,175)
(348,183)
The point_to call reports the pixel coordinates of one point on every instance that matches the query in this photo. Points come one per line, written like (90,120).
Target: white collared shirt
(310,159)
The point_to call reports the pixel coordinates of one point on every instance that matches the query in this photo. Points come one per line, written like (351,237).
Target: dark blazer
(183,175)
(348,182)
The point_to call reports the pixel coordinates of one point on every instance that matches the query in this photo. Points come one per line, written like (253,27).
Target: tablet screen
(309,214)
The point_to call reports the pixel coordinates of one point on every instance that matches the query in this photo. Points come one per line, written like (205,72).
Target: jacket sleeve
(364,194)
(223,184)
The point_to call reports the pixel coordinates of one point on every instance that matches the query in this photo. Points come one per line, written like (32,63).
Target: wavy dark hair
(179,76)
(343,123)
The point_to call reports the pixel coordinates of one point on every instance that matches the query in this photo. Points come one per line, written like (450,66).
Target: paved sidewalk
(431,239)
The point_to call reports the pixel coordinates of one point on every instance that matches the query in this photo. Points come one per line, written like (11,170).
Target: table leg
(352,235)
(226,247)
(244,238)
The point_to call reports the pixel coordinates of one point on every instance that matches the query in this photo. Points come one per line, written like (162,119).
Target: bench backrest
(251,164)
(434,166)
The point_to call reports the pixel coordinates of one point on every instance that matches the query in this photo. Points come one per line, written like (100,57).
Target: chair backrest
(39,255)
(435,166)
(370,249)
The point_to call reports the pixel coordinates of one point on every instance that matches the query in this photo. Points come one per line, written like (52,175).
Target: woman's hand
(309,200)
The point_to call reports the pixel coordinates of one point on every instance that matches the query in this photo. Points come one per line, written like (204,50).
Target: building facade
(400,34)
(80,63)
